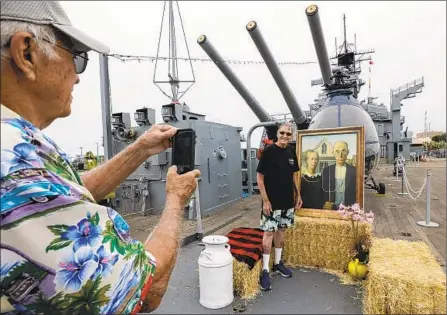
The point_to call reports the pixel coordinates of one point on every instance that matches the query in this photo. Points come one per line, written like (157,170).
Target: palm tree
(136,250)
(55,305)
(90,299)
(110,236)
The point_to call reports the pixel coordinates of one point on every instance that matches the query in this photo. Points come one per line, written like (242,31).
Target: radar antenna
(173,75)
(346,53)
(348,64)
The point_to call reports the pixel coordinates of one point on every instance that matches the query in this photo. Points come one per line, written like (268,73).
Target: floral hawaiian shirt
(61,253)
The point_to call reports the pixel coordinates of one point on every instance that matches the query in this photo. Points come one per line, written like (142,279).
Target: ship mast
(173,72)
(173,69)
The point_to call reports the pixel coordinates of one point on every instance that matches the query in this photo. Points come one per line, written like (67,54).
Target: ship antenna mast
(344,33)
(173,75)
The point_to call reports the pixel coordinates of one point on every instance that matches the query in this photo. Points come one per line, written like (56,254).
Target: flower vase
(357,269)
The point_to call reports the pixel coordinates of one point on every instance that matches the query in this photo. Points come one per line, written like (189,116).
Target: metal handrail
(407,86)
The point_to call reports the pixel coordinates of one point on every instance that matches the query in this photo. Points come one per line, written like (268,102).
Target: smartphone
(183,150)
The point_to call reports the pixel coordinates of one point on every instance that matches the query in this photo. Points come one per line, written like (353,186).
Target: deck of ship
(310,291)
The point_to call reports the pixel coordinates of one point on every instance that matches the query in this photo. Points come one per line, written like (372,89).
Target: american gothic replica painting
(332,167)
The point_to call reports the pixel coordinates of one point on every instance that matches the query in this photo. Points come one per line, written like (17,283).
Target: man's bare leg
(279,244)
(267,248)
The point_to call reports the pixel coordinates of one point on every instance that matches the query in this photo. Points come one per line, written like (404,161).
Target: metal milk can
(216,272)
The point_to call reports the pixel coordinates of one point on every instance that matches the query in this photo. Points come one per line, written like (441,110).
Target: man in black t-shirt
(276,177)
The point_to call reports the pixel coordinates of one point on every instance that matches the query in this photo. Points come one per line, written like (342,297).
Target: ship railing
(410,84)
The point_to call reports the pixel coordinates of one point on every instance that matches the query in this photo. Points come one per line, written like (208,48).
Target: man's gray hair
(9,28)
(286,124)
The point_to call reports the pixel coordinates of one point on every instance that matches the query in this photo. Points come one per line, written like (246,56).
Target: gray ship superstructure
(340,84)
(218,146)
(389,123)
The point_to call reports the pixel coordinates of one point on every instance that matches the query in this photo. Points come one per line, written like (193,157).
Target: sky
(409,39)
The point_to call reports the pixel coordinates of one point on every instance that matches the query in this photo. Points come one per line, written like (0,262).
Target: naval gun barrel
(206,45)
(320,47)
(289,97)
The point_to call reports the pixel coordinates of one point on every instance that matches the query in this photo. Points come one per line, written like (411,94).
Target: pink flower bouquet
(356,215)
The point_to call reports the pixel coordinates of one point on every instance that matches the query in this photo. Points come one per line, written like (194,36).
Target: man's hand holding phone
(183,150)
(156,139)
(181,187)
(181,178)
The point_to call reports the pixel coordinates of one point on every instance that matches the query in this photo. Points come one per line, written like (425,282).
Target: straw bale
(404,278)
(246,281)
(328,214)
(321,239)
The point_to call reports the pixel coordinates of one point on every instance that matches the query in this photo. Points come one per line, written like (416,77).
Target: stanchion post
(397,172)
(403,181)
(198,212)
(397,166)
(427,222)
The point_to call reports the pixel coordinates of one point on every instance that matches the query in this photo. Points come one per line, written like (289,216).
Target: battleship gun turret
(295,109)
(316,30)
(251,101)
(341,108)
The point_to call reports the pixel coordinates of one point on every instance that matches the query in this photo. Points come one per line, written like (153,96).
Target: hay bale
(246,281)
(404,278)
(328,214)
(321,239)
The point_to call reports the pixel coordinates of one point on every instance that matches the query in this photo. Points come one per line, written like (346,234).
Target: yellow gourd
(357,269)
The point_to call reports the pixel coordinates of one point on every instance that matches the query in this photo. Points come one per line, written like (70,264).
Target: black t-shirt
(278,166)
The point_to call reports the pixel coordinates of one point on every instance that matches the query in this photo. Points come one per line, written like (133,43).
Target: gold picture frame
(317,148)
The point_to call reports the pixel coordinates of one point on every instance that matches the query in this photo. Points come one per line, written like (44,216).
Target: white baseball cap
(50,13)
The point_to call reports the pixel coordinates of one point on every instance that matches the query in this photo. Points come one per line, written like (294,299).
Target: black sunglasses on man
(282,133)
(80,59)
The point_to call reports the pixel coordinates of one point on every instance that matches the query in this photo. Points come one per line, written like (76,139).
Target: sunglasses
(80,59)
(282,133)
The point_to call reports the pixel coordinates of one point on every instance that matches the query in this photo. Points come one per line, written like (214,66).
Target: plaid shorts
(278,219)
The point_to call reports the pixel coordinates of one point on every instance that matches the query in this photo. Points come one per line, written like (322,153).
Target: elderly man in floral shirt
(61,252)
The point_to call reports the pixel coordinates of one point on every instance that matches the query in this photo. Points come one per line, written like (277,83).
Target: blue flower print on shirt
(6,268)
(21,124)
(83,234)
(105,263)
(76,269)
(22,156)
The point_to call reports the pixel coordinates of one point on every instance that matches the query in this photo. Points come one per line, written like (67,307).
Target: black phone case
(181,167)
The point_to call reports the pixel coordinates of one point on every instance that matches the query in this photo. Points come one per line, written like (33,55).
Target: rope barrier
(410,189)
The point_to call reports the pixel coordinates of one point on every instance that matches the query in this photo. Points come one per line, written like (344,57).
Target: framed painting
(331,167)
